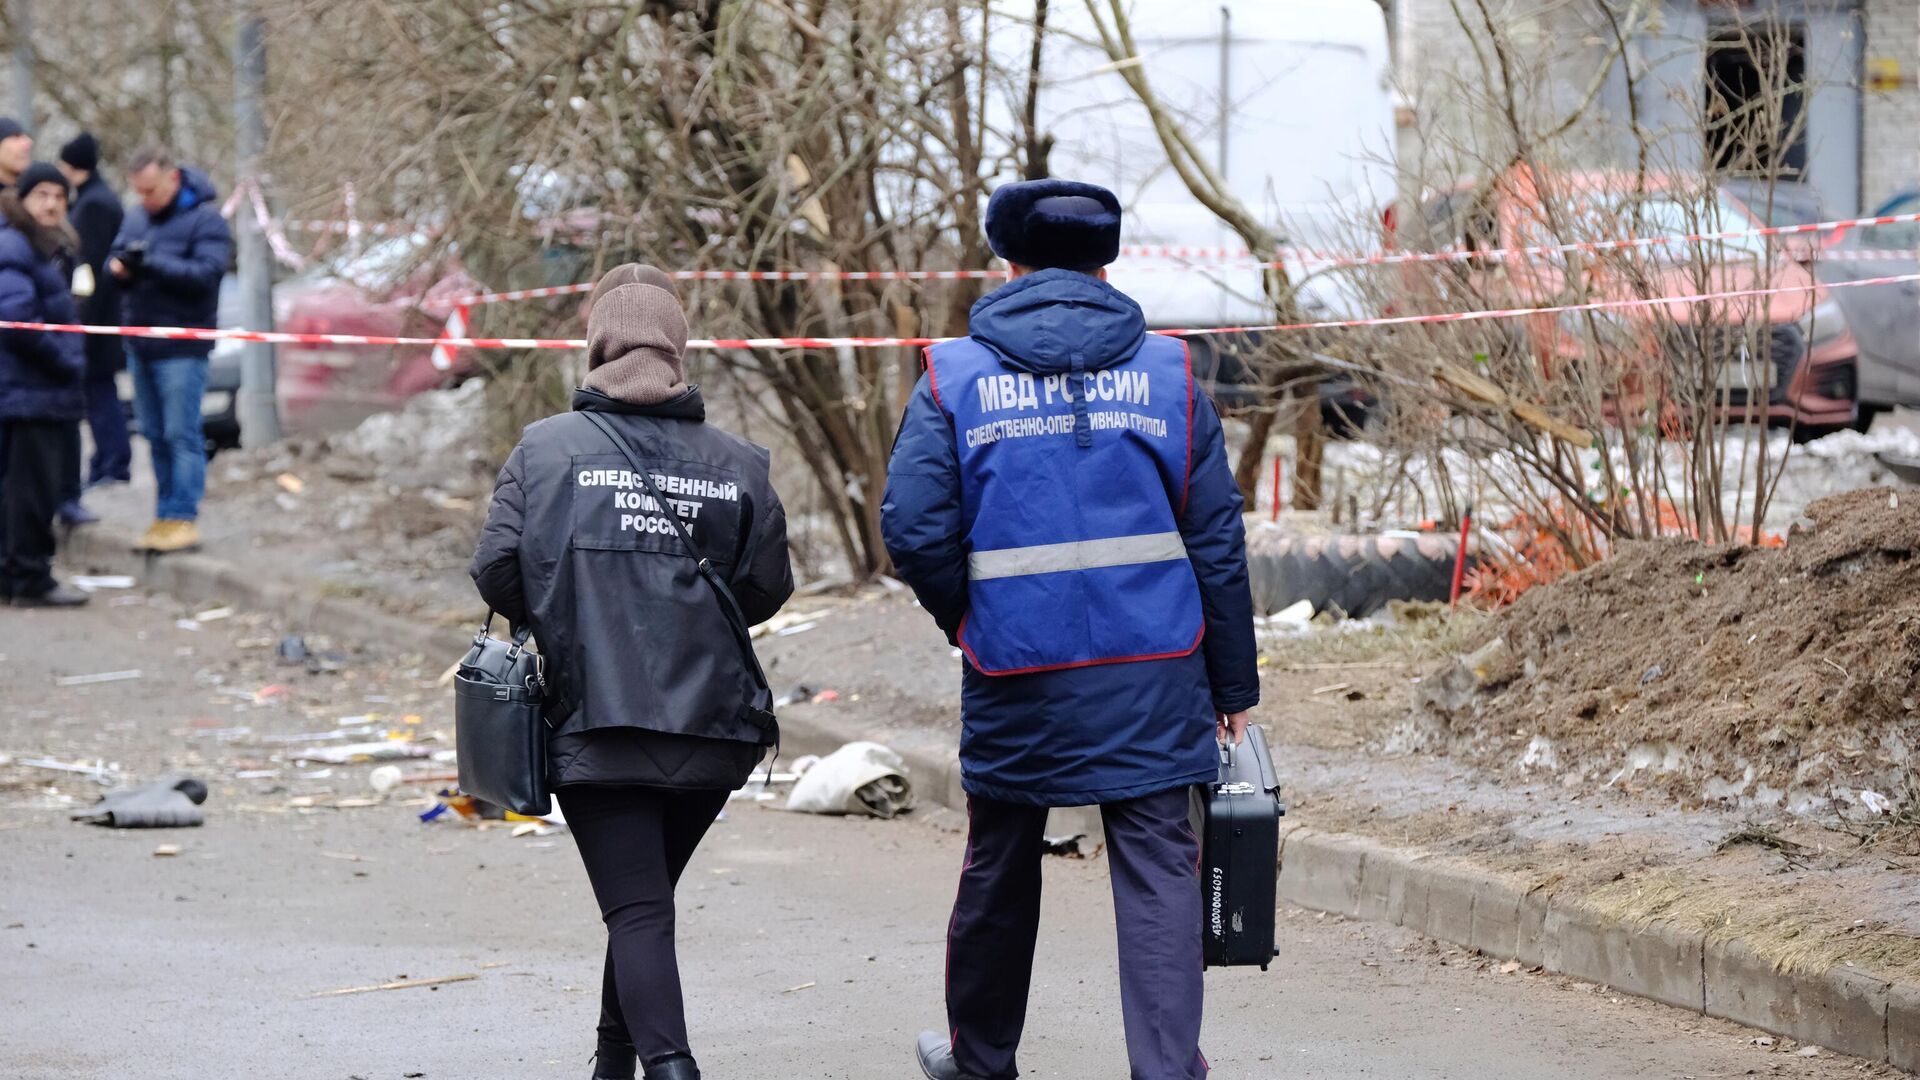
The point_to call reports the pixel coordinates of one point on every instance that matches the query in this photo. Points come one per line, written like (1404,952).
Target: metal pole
(23,63)
(257,406)
(1226,84)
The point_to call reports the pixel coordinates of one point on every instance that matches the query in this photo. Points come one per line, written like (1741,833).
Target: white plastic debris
(858,778)
(1875,802)
(1296,617)
(384,779)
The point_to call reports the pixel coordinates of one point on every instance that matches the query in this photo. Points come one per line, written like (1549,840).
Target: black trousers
(1154,861)
(635,841)
(33,455)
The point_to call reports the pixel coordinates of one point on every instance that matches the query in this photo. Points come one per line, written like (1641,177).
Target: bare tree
(1282,365)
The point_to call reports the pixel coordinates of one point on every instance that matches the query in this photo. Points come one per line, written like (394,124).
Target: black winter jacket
(96,215)
(647,675)
(189,249)
(40,371)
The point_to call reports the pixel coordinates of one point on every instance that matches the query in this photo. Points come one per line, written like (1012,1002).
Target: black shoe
(62,596)
(680,1068)
(613,1061)
(936,1058)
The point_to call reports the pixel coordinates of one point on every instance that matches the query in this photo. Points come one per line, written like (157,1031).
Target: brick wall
(1890,119)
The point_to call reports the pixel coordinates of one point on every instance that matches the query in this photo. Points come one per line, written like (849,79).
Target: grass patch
(1413,634)
(1790,934)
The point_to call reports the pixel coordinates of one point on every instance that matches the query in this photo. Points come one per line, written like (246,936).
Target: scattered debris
(1070,847)
(214,615)
(797,989)
(860,777)
(166,851)
(290,483)
(99,771)
(292,650)
(102,677)
(384,779)
(169,803)
(402,983)
(789,622)
(354,753)
(96,582)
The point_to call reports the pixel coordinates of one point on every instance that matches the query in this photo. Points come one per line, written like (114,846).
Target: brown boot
(150,537)
(175,536)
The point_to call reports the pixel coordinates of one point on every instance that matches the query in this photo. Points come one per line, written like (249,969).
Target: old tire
(1353,575)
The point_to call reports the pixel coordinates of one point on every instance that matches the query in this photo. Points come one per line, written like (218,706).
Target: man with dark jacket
(40,375)
(1059,500)
(170,255)
(97,216)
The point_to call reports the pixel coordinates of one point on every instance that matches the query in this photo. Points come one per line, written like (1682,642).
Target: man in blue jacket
(172,251)
(1059,500)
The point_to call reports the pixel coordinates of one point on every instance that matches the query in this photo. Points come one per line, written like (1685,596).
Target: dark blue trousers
(1155,867)
(112,446)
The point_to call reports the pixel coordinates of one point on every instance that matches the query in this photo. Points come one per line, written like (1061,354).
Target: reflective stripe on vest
(1077,555)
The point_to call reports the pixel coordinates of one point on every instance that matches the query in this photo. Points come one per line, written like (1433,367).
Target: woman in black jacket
(41,395)
(651,721)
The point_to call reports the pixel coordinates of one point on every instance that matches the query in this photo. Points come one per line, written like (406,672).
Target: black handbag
(757,710)
(500,730)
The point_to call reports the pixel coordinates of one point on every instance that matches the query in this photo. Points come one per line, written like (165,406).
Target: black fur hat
(1054,223)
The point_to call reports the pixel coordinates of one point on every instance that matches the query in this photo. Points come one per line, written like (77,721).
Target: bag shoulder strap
(729,606)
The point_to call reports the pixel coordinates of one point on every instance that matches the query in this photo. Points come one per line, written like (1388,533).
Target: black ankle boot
(679,1068)
(613,1061)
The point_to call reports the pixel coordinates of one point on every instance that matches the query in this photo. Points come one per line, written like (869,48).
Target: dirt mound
(1786,677)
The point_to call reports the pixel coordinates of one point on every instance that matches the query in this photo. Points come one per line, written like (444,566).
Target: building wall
(1890,119)
(1865,143)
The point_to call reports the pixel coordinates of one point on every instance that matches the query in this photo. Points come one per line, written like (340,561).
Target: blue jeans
(166,401)
(112,448)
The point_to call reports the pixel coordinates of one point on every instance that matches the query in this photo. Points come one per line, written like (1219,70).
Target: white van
(1291,100)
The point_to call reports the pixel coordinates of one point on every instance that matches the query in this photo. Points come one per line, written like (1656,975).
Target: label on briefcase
(1240,856)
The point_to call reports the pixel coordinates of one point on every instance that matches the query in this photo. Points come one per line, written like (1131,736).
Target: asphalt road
(812,946)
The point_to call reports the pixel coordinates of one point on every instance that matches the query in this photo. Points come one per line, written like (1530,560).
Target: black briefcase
(1240,860)
(500,732)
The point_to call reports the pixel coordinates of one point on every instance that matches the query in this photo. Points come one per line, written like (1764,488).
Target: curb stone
(1841,1009)
(199,576)
(1903,1027)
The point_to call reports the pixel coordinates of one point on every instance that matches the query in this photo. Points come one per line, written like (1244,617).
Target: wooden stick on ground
(403,984)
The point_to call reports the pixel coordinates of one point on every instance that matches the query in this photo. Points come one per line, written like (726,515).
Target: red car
(387,290)
(1809,348)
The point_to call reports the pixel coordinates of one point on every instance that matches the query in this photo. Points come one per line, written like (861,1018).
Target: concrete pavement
(812,946)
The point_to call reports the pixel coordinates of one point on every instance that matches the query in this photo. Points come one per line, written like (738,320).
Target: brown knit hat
(626,274)
(636,345)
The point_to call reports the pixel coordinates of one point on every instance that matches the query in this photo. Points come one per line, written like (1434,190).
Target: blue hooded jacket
(40,370)
(1091,734)
(189,249)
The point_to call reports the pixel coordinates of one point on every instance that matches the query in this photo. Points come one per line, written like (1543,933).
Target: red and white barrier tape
(344,228)
(450,342)
(1324,260)
(442,355)
(277,240)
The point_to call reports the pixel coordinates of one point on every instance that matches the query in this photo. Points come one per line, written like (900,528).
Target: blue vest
(1071,485)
